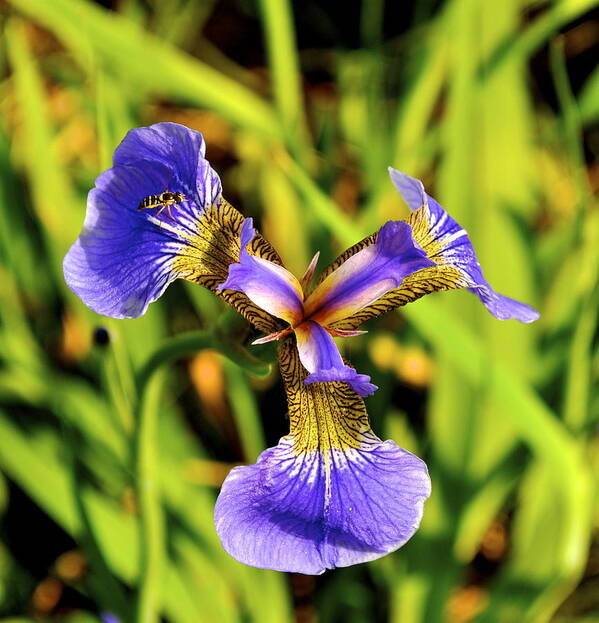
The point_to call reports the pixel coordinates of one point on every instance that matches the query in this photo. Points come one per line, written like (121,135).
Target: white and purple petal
(268,285)
(450,245)
(308,511)
(367,275)
(320,356)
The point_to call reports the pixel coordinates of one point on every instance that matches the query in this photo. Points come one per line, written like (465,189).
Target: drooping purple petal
(367,275)
(308,511)
(268,285)
(125,257)
(320,356)
(451,245)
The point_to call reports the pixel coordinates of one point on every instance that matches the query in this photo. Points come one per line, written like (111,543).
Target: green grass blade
(286,78)
(49,183)
(519,47)
(151,62)
(245,412)
(578,379)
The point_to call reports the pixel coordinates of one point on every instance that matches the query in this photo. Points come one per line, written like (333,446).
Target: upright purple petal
(268,285)
(367,275)
(446,242)
(182,150)
(125,257)
(320,356)
(306,511)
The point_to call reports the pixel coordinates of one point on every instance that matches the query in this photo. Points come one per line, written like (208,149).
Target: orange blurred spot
(75,340)
(208,378)
(466,603)
(47,594)
(70,566)
(409,363)
(414,367)
(494,543)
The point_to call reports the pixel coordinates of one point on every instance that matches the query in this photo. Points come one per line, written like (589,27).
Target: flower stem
(149,383)
(151,520)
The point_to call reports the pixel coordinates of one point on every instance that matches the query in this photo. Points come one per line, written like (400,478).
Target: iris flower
(331,493)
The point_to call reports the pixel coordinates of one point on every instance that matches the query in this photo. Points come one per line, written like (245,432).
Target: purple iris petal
(124,257)
(180,149)
(121,262)
(457,250)
(268,285)
(320,356)
(367,275)
(309,511)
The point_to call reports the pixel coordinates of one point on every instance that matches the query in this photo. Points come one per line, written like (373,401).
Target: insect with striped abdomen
(166,200)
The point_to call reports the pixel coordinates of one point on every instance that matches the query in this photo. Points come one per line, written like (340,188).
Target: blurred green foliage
(495,105)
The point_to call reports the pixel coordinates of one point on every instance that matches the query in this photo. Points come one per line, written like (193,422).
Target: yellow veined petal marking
(443,276)
(209,253)
(328,418)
